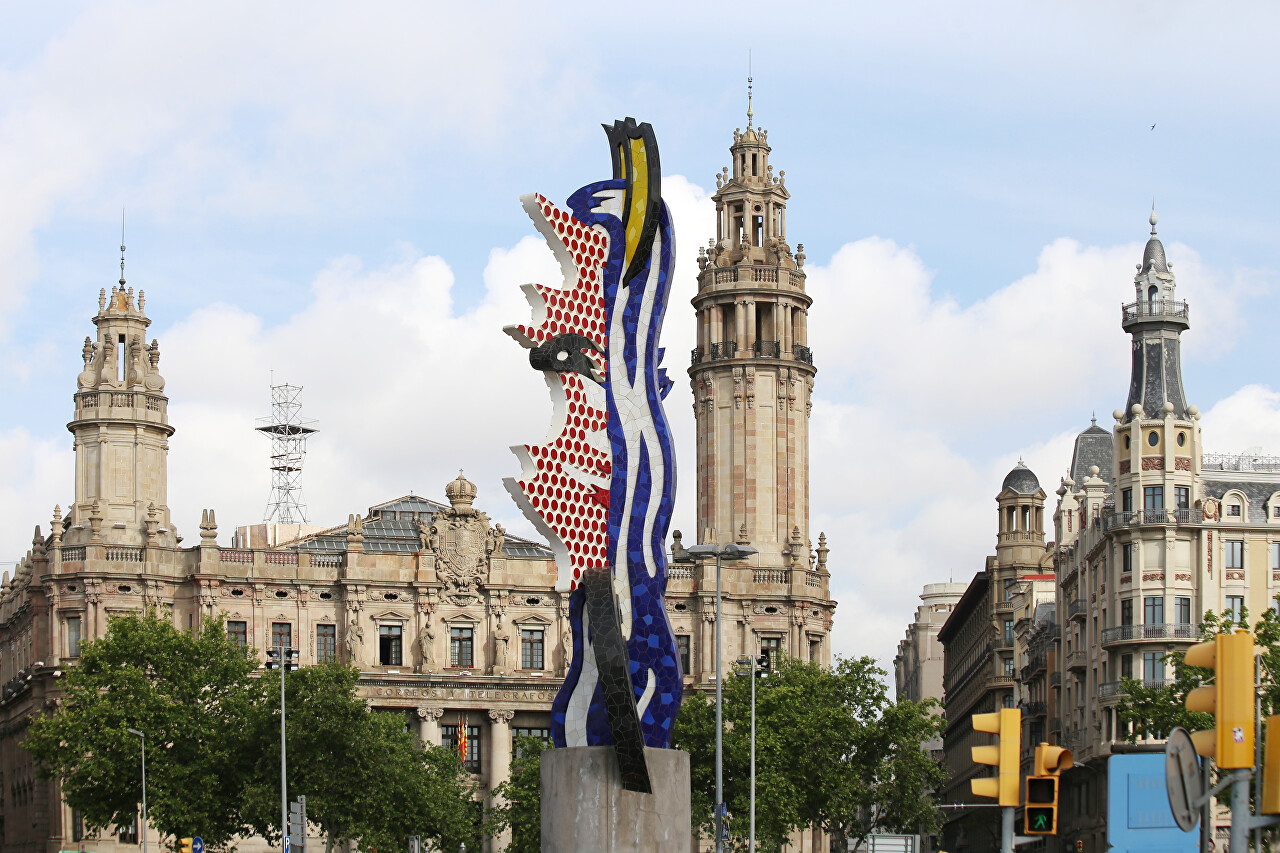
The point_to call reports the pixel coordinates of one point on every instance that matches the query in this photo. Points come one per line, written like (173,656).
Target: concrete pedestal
(585,809)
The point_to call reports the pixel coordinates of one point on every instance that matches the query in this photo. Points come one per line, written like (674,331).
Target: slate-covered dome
(1021,480)
(1153,259)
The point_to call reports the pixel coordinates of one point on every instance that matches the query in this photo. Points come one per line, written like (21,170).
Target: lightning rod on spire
(750,111)
(122,247)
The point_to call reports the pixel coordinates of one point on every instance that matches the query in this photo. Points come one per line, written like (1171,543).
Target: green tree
(831,751)
(192,697)
(366,779)
(521,797)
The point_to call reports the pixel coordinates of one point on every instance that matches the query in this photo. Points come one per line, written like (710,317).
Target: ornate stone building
(451,621)
(752,376)
(1152,532)
(918,664)
(981,664)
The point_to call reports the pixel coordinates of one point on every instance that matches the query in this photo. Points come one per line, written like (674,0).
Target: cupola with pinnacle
(121,429)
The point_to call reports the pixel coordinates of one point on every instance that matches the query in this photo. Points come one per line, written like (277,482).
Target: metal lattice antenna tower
(288,431)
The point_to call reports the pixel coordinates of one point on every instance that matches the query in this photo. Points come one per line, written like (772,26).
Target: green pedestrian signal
(1042,805)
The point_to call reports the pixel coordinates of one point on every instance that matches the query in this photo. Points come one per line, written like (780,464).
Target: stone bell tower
(753,371)
(121,430)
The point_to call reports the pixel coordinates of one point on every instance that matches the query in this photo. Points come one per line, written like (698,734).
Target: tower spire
(750,112)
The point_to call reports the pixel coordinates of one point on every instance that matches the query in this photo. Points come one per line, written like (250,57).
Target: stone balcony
(1147,310)
(1163,517)
(1141,633)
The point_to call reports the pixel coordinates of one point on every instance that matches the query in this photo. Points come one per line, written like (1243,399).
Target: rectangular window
(531,649)
(1153,610)
(1182,497)
(127,833)
(449,740)
(518,732)
(239,633)
(77,825)
(1235,605)
(814,653)
(1153,497)
(1233,510)
(460,648)
(1183,608)
(326,643)
(1276,512)
(1126,612)
(281,635)
(73,636)
(1275,556)
(1008,666)
(771,646)
(1234,554)
(1126,666)
(390,639)
(682,644)
(1126,500)
(1008,632)
(1126,558)
(1152,666)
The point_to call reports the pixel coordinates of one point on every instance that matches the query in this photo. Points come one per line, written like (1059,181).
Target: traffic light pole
(1006,829)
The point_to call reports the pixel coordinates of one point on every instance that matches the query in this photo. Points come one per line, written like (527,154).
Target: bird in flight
(1153,127)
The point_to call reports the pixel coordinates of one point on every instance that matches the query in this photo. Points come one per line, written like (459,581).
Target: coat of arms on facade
(462,540)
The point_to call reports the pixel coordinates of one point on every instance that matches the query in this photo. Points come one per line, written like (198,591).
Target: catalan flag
(463,743)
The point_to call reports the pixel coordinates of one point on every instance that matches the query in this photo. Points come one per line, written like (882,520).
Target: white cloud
(39,471)
(1249,418)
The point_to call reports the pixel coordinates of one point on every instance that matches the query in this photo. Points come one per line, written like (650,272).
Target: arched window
(1152,291)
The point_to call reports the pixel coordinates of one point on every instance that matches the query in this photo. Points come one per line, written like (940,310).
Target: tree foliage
(213,746)
(520,797)
(186,694)
(832,751)
(365,778)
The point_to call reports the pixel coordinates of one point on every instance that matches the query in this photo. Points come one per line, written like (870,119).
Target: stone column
(740,322)
(500,760)
(751,325)
(429,724)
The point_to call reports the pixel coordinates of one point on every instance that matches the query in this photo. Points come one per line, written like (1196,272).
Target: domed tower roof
(1153,259)
(1021,480)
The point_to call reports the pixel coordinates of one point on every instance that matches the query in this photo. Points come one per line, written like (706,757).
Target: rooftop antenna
(750,111)
(288,431)
(122,248)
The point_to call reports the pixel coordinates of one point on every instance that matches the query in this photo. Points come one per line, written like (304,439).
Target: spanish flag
(463,745)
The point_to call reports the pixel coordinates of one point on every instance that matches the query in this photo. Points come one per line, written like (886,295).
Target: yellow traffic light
(184,845)
(1051,760)
(1230,699)
(1271,768)
(1006,724)
(1041,817)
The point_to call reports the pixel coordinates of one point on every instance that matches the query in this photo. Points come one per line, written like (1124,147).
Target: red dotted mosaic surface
(578,512)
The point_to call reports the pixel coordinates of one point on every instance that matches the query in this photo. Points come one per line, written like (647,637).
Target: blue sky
(330,192)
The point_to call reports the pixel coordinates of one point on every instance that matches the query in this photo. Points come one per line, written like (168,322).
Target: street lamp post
(282,659)
(144,786)
(721,552)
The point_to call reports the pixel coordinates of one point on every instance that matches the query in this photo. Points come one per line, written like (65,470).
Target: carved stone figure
(500,638)
(426,643)
(355,638)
